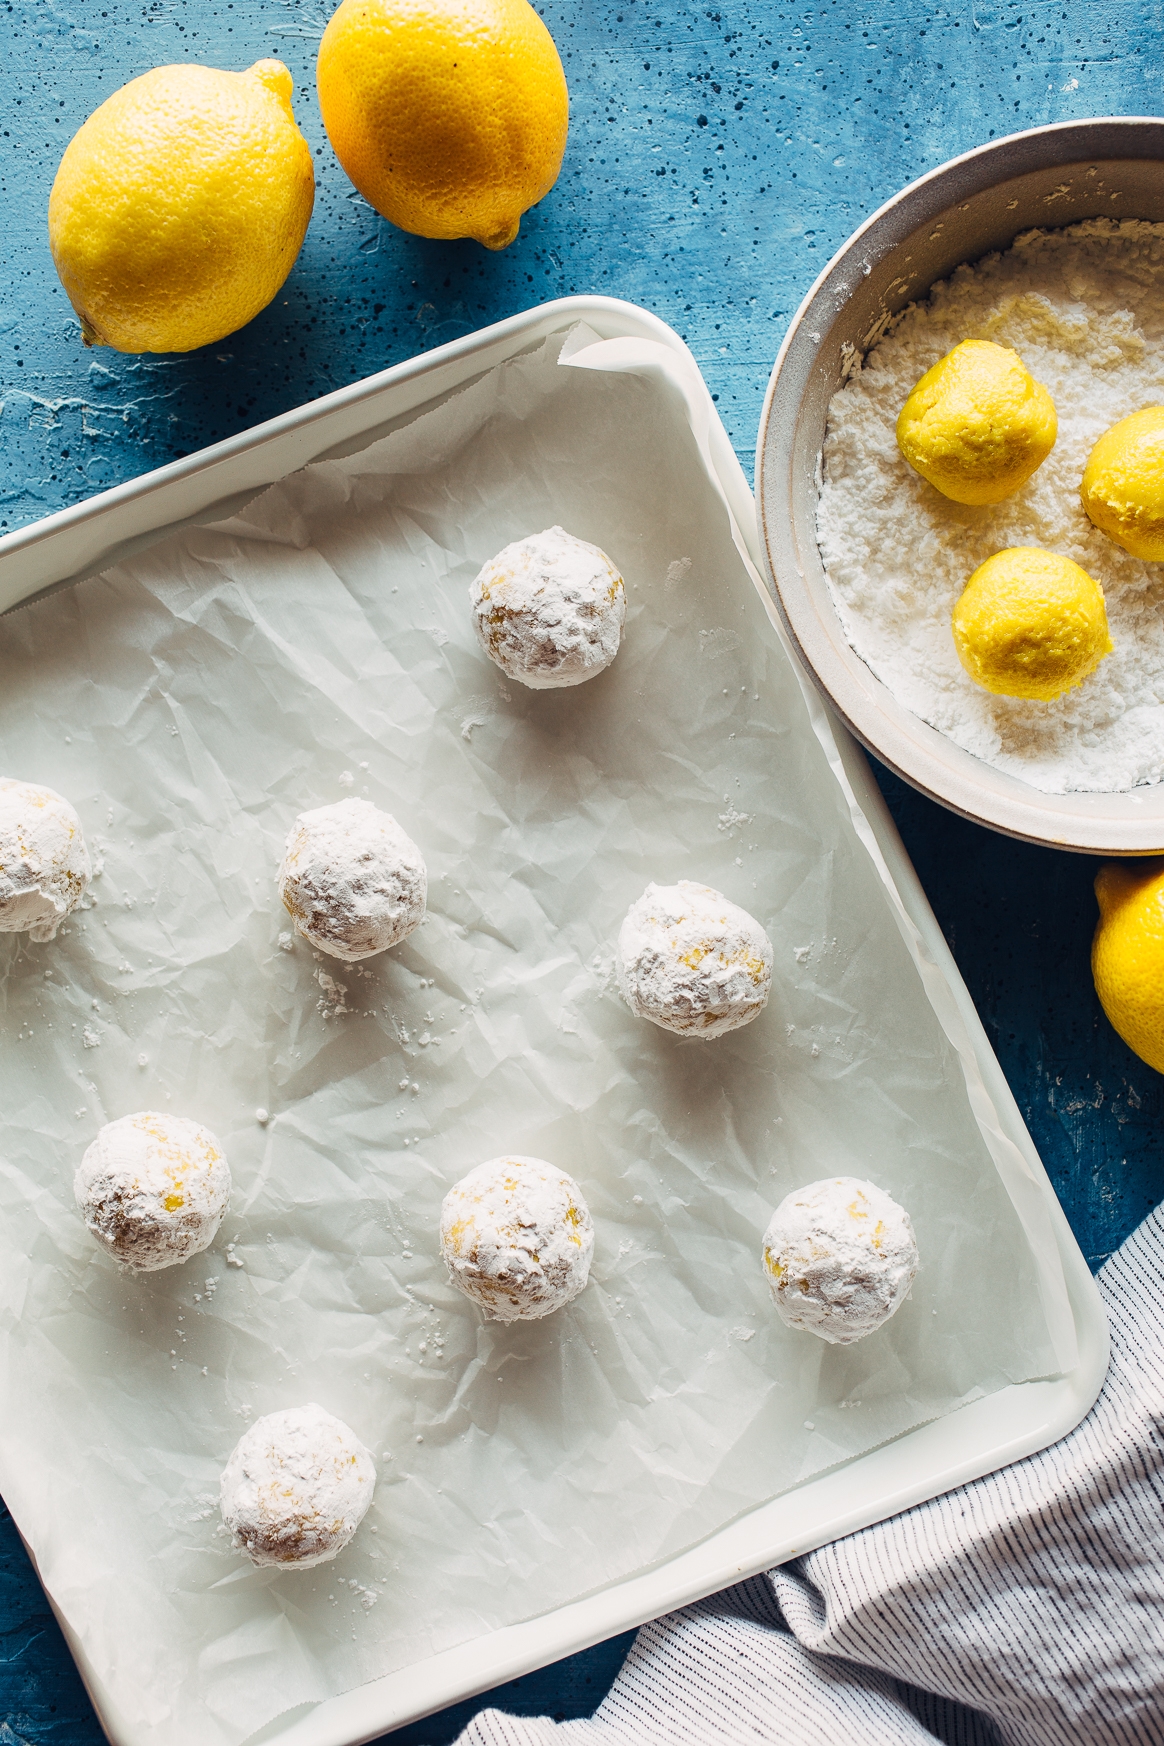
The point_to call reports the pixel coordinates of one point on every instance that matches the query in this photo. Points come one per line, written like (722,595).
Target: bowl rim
(919,754)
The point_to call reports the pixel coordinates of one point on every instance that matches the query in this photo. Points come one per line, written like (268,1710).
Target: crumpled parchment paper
(190,702)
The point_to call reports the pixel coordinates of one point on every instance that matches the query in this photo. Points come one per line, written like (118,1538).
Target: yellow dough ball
(1030,624)
(1123,483)
(978,424)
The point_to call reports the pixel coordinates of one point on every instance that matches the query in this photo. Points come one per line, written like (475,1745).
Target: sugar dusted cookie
(840,1257)
(296,1488)
(693,962)
(517,1238)
(352,880)
(549,610)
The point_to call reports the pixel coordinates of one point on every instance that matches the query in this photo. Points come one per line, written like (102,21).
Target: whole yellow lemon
(1127,953)
(978,424)
(448,115)
(1030,624)
(1123,483)
(180,206)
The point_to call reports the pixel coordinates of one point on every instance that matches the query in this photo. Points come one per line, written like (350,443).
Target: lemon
(1123,483)
(448,115)
(1127,953)
(1030,624)
(180,206)
(978,424)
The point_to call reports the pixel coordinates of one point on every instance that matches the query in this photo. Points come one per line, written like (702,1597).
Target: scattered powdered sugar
(691,961)
(332,1002)
(353,882)
(730,817)
(1083,309)
(840,1258)
(153,1189)
(296,1488)
(44,864)
(517,1238)
(549,610)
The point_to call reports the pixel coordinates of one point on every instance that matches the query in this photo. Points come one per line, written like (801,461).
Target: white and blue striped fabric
(1026,1609)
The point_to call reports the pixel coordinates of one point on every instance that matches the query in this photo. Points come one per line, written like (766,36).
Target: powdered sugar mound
(693,962)
(353,882)
(549,609)
(840,1257)
(296,1488)
(517,1238)
(153,1189)
(44,864)
(1083,309)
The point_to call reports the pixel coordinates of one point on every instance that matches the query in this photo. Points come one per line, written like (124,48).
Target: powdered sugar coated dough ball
(693,962)
(517,1238)
(44,864)
(840,1257)
(352,880)
(549,609)
(296,1488)
(153,1189)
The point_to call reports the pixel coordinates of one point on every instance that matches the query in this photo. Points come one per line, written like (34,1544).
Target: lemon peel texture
(977,424)
(180,205)
(1030,624)
(449,116)
(1127,953)
(1123,484)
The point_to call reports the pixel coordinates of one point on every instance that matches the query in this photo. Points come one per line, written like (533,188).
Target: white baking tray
(981,1436)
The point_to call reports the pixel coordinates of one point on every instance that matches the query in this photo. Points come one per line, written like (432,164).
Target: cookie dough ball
(352,880)
(549,610)
(1030,624)
(153,1189)
(296,1488)
(840,1258)
(978,424)
(1123,484)
(44,864)
(693,962)
(517,1238)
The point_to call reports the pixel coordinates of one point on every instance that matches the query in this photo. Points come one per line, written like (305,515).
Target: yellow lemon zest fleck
(457,1230)
(694,958)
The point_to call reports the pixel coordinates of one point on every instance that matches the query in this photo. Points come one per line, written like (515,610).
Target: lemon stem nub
(501,239)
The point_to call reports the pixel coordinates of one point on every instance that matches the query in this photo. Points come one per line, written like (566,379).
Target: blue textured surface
(717,155)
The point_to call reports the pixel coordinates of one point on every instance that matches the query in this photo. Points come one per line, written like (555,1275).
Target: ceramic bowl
(1049,176)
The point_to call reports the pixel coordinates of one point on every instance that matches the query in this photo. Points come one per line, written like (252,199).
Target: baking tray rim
(976,1439)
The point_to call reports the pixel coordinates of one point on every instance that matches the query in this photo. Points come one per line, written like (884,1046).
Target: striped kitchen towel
(1026,1609)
